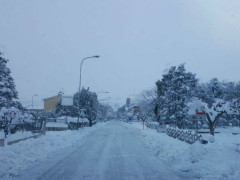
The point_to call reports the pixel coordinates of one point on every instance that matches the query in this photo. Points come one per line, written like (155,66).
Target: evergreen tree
(176,89)
(11,111)
(8,93)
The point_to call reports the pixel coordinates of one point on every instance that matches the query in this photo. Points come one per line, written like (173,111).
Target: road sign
(197,117)
(143,119)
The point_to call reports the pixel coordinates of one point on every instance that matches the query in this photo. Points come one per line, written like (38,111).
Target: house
(50,104)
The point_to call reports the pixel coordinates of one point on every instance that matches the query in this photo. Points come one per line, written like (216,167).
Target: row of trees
(178,91)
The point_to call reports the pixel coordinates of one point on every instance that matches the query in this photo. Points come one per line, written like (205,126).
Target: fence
(21,125)
(37,129)
(183,135)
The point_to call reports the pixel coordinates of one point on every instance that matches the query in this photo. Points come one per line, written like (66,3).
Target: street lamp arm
(81,68)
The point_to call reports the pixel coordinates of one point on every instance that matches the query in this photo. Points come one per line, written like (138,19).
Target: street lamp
(32,99)
(80,81)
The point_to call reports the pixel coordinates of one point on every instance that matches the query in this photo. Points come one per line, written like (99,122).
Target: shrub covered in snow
(152,124)
(183,135)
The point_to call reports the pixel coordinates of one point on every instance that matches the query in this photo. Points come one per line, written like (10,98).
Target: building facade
(51,103)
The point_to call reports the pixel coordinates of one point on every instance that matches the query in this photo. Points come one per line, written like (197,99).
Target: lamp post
(80,81)
(32,99)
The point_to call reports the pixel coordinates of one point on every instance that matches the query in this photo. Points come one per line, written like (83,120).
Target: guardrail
(183,135)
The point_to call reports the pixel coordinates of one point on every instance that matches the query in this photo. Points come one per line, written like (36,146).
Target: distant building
(50,104)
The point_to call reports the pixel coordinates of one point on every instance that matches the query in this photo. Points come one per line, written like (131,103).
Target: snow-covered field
(219,160)
(17,157)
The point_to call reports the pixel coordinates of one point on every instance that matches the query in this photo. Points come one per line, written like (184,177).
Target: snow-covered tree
(122,112)
(10,108)
(71,111)
(8,93)
(221,100)
(88,102)
(147,102)
(160,101)
(232,91)
(213,112)
(175,90)
(105,112)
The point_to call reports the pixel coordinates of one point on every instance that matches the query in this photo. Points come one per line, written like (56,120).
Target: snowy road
(112,152)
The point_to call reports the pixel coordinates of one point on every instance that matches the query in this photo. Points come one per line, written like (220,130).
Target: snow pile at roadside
(17,157)
(219,160)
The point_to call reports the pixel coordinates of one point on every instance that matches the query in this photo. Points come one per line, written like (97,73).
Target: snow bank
(219,160)
(17,157)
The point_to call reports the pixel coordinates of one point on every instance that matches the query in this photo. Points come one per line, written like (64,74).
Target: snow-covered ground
(17,157)
(113,151)
(116,147)
(219,160)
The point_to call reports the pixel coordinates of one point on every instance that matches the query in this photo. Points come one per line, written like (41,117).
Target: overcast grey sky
(45,41)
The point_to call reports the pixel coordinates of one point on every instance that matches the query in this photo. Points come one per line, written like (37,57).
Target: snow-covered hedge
(183,135)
